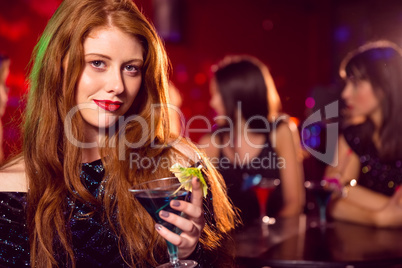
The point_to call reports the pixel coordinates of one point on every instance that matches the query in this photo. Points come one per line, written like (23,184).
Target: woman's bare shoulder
(285,136)
(13,177)
(285,131)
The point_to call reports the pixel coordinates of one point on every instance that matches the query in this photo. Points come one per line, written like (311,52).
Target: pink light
(310,102)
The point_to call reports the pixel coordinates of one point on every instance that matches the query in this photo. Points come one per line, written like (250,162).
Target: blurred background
(302,42)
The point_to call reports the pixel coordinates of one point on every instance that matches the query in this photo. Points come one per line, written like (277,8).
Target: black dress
(238,176)
(94,243)
(375,174)
(14,245)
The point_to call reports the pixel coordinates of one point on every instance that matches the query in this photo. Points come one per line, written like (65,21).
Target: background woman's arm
(292,180)
(348,163)
(389,215)
(348,169)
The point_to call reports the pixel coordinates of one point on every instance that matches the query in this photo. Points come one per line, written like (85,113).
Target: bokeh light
(310,102)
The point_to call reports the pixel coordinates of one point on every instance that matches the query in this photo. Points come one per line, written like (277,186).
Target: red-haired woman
(4,70)
(96,87)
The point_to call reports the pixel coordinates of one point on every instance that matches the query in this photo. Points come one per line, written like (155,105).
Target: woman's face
(3,99)
(111,78)
(216,102)
(359,98)
(4,88)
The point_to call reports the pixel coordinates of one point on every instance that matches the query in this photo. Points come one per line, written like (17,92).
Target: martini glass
(263,189)
(322,191)
(155,196)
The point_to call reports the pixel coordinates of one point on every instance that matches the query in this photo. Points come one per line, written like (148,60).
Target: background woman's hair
(380,63)
(245,81)
(53,163)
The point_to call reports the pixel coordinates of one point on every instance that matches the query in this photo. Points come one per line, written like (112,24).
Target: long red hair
(53,163)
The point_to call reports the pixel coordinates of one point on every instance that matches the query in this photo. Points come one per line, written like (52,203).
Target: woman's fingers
(173,238)
(193,210)
(196,195)
(186,242)
(191,225)
(185,225)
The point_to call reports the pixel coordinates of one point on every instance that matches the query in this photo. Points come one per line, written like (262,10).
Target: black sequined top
(377,175)
(14,245)
(94,243)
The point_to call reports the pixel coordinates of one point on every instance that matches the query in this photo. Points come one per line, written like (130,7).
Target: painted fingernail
(175,203)
(164,214)
(158,227)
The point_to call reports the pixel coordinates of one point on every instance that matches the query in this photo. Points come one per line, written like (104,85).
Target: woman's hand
(191,226)
(391,214)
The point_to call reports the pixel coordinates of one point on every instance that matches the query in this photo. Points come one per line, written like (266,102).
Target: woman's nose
(346,91)
(211,103)
(116,82)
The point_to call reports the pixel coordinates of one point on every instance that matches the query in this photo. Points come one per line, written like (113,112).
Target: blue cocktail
(322,191)
(155,196)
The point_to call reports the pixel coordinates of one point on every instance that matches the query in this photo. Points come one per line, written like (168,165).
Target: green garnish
(186,174)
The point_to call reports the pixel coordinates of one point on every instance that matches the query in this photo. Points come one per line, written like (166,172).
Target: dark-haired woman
(253,138)
(370,151)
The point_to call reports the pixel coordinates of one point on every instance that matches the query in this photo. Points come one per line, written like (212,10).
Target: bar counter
(304,242)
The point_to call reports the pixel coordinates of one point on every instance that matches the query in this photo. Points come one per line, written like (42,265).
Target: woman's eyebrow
(138,60)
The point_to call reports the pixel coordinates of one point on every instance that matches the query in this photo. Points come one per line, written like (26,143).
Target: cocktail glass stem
(322,192)
(323,213)
(322,204)
(172,249)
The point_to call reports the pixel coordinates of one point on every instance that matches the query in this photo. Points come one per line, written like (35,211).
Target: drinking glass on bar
(322,191)
(263,187)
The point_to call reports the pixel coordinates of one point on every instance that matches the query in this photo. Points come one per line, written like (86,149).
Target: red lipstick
(108,105)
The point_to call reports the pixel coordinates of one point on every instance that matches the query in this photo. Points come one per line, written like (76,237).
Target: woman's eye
(98,64)
(352,80)
(131,69)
